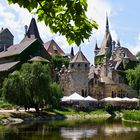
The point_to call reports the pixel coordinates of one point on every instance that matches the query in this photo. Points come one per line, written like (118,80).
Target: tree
(133,77)
(138,55)
(31,86)
(66,17)
(58,61)
(13,89)
(56,94)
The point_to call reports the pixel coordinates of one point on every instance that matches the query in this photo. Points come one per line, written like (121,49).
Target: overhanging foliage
(66,17)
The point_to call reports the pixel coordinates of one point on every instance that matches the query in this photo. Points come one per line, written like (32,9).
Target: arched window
(78,65)
(83,94)
(112,94)
(72,65)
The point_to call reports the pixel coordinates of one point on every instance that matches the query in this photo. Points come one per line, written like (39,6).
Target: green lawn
(133,115)
(71,111)
(5,104)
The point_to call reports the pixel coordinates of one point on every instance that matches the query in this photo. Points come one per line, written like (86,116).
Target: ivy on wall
(98,59)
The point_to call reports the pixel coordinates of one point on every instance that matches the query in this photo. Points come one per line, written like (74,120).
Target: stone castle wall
(75,80)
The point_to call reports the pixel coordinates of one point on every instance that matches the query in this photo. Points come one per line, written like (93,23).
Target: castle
(103,79)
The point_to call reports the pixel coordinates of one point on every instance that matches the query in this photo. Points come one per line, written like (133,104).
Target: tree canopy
(66,17)
(31,86)
(138,55)
(58,61)
(133,78)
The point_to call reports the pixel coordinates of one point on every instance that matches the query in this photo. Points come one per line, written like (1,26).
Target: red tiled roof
(52,48)
(105,43)
(129,54)
(79,58)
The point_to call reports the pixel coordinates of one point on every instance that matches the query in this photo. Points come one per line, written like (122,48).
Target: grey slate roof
(32,32)
(17,49)
(6,30)
(79,58)
(7,66)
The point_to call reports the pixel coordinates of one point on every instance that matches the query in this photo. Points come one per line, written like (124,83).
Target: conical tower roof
(52,48)
(32,32)
(96,47)
(107,40)
(79,58)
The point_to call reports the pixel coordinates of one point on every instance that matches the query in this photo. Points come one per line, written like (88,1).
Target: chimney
(26,29)
(1,28)
(5,48)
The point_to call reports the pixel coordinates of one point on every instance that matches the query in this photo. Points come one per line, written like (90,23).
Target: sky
(124,24)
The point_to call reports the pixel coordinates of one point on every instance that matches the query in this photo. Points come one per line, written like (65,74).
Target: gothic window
(78,65)
(83,93)
(85,65)
(72,65)
(112,94)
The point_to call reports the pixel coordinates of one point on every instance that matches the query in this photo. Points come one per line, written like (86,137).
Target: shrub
(109,108)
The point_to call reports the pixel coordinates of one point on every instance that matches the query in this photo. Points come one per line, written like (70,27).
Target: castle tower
(106,45)
(96,49)
(75,78)
(6,39)
(71,53)
(32,32)
(79,69)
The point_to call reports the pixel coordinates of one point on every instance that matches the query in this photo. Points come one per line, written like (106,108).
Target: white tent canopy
(88,98)
(126,99)
(76,97)
(107,99)
(65,98)
(135,99)
(117,99)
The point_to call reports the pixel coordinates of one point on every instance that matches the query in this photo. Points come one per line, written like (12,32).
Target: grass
(5,104)
(71,111)
(133,115)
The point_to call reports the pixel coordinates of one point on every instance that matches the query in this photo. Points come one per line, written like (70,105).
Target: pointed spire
(79,48)
(118,43)
(107,23)
(72,52)
(33,31)
(96,46)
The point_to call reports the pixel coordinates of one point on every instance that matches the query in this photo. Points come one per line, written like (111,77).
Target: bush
(109,108)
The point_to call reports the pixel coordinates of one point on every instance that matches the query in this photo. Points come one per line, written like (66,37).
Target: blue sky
(124,21)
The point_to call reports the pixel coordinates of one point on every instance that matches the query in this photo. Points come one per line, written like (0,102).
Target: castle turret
(96,50)
(75,78)
(71,53)
(32,32)
(106,46)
